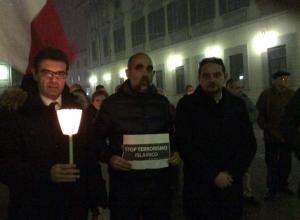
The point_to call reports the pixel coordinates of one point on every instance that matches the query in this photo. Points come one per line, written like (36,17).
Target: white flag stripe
(15,33)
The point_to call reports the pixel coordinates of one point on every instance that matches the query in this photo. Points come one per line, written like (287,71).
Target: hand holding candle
(60,173)
(69,120)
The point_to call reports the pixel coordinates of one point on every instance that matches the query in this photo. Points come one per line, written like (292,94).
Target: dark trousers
(278,159)
(211,203)
(140,195)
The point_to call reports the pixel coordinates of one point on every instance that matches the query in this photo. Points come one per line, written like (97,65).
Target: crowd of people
(142,139)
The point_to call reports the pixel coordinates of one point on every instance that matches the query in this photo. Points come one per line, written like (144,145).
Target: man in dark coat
(271,105)
(135,109)
(216,142)
(34,162)
(290,126)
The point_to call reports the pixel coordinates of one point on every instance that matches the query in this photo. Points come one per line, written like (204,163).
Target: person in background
(235,87)
(100,88)
(189,89)
(271,105)
(216,143)
(95,106)
(81,98)
(74,87)
(290,126)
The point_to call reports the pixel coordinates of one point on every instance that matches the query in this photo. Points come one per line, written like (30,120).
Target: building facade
(255,38)
(73,15)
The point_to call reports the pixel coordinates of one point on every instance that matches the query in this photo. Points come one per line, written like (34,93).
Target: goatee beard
(144,85)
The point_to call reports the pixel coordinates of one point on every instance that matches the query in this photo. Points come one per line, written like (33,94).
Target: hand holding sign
(174,159)
(147,151)
(118,163)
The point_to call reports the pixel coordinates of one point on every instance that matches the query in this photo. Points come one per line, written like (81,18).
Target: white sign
(147,151)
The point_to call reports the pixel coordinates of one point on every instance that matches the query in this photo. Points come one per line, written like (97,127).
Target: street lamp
(264,40)
(174,61)
(93,81)
(4,72)
(213,51)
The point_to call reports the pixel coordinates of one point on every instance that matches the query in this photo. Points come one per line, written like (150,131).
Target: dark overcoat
(131,112)
(32,143)
(213,137)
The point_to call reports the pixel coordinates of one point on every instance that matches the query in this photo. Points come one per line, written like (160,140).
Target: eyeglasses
(51,74)
(140,67)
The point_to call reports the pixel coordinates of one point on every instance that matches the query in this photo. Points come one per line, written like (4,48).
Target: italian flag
(26,26)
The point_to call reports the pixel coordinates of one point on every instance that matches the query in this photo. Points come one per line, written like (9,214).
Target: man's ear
(127,72)
(225,76)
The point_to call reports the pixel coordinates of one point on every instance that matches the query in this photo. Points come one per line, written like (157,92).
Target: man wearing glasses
(136,114)
(35,152)
(216,142)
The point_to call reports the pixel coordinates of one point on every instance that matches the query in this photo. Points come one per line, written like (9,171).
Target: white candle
(69,120)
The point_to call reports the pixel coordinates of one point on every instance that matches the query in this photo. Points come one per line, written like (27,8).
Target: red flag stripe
(47,31)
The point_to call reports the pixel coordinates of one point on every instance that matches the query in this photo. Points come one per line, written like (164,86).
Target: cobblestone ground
(283,208)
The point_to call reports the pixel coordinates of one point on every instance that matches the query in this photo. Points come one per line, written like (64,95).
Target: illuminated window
(276,59)
(159,74)
(236,66)
(180,81)
(4,72)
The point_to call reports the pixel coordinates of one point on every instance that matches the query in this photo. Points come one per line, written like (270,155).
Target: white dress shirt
(48,101)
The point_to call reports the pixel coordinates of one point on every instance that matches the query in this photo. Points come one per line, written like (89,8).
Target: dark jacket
(290,123)
(33,144)
(91,113)
(271,105)
(250,108)
(129,112)
(213,137)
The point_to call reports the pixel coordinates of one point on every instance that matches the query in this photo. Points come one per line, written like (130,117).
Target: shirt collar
(48,101)
(218,99)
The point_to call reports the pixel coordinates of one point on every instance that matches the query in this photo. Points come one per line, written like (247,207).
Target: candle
(69,120)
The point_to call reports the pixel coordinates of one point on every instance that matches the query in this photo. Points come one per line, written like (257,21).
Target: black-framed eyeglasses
(51,74)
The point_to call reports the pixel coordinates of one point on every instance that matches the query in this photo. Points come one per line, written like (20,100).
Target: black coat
(33,143)
(212,137)
(290,123)
(129,112)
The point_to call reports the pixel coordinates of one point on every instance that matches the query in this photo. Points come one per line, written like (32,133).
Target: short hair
(134,56)
(211,60)
(100,87)
(188,86)
(52,54)
(99,93)
(75,86)
(231,81)
(280,73)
